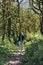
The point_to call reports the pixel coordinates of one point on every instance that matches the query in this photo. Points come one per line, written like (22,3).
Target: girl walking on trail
(21,41)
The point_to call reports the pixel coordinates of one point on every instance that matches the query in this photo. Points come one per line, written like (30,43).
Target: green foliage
(6,50)
(29,21)
(37,7)
(34,54)
(13,19)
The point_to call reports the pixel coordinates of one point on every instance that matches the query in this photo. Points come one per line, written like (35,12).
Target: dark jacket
(21,37)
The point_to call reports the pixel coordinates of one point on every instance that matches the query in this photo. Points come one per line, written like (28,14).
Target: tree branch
(21,1)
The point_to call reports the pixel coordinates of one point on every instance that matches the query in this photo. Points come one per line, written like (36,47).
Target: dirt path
(15,59)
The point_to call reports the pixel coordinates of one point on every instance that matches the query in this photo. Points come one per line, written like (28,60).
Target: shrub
(33,56)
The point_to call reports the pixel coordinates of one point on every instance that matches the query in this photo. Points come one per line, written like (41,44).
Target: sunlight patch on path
(14,62)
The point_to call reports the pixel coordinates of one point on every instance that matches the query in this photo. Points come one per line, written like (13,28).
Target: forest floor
(15,59)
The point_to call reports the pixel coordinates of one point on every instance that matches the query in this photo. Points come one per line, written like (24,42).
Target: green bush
(33,56)
(6,50)
(1,62)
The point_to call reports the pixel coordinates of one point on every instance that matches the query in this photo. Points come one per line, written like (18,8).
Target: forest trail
(15,59)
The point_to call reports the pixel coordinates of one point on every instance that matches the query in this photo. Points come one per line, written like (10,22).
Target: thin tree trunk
(3,26)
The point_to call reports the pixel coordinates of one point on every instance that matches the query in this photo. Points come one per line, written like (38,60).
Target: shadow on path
(15,59)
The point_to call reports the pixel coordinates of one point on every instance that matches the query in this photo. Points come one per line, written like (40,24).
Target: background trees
(15,18)
(37,6)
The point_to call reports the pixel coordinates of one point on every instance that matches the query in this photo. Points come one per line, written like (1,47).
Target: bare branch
(21,1)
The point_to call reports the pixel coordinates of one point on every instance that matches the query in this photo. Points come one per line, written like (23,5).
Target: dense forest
(16,17)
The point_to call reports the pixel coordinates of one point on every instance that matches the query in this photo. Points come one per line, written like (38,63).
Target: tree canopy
(37,7)
(15,18)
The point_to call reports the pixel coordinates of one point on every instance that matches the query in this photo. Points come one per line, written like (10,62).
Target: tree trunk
(3,26)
